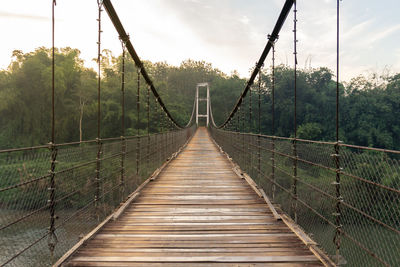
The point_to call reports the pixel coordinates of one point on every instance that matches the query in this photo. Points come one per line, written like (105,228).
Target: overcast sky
(230,34)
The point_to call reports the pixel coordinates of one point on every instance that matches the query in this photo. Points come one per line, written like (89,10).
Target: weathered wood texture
(198,212)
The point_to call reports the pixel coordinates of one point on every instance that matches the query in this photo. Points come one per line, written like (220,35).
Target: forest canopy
(369,107)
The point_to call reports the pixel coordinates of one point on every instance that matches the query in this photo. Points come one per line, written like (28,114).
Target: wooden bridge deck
(197,212)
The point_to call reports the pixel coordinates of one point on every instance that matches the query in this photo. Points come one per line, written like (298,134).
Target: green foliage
(369,109)
(310,131)
(25,96)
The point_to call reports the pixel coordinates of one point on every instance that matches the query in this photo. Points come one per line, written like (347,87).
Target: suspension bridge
(192,195)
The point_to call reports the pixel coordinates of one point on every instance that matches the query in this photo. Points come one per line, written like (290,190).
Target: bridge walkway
(197,212)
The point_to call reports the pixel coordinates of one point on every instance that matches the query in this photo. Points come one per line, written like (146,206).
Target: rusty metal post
(295,157)
(98,139)
(250,113)
(138,125)
(123,140)
(148,130)
(237,134)
(339,198)
(243,135)
(52,238)
(158,134)
(273,123)
(249,145)
(259,127)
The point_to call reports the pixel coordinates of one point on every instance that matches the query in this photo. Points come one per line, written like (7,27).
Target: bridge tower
(200,85)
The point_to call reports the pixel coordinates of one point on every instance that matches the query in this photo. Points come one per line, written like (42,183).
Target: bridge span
(197,212)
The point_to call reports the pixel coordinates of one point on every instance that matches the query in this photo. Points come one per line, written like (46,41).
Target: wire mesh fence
(80,200)
(300,176)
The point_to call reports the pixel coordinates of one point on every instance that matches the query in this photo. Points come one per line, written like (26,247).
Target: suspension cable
(139,64)
(281,20)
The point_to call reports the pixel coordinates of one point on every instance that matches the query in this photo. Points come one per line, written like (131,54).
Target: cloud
(9,15)
(378,36)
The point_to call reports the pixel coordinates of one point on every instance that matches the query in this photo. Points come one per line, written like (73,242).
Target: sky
(230,34)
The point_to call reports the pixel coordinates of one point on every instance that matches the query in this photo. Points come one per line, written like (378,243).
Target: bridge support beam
(207,115)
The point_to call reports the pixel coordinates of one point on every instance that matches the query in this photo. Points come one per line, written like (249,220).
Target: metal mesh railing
(369,234)
(81,202)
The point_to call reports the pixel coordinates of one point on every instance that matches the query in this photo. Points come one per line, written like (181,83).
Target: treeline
(369,110)
(25,96)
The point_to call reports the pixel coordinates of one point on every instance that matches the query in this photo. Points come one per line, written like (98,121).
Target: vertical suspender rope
(250,119)
(243,135)
(148,129)
(259,127)
(138,123)
(273,123)
(250,143)
(52,238)
(123,141)
(159,137)
(238,131)
(339,199)
(98,139)
(294,189)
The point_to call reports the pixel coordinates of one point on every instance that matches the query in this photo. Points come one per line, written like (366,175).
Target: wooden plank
(81,242)
(125,205)
(201,259)
(198,212)
(193,264)
(271,207)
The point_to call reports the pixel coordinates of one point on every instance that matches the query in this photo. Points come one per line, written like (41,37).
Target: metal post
(208,104)
(250,128)
(138,124)
(148,129)
(339,198)
(294,186)
(52,238)
(250,119)
(259,127)
(273,122)
(98,139)
(158,136)
(123,140)
(197,105)
(243,130)
(238,131)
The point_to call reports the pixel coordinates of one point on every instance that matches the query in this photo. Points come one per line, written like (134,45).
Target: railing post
(294,186)
(138,125)
(339,200)
(259,127)
(158,137)
(123,140)
(273,123)
(97,178)
(243,138)
(148,129)
(237,134)
(98,140)
(122,176)
(250,137)
(52,239)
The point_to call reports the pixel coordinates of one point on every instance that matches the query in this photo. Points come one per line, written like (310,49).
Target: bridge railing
(80,201)
(305,188)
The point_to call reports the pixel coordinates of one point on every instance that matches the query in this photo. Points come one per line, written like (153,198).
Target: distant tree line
(370,110)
